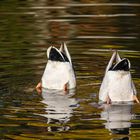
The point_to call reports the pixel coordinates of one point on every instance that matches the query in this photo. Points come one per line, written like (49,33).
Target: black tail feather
(122,65)
(55,55)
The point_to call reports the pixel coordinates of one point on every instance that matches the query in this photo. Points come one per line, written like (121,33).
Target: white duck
(59,73)
(117,85)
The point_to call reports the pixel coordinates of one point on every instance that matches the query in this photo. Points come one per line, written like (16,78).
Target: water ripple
(104,4)
(106,37)
(100,15)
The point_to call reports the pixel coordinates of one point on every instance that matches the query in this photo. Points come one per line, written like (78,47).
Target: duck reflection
(118,118)
(59,107)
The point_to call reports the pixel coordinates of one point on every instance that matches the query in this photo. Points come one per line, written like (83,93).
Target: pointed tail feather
(115,57)
(64,49)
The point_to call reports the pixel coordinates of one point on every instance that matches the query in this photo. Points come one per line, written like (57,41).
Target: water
(91,29)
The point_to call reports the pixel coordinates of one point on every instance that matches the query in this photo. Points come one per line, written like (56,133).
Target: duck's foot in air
(108,100)
(39,88)
(136,99)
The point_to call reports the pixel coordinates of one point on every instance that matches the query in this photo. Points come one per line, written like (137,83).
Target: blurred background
(91,29)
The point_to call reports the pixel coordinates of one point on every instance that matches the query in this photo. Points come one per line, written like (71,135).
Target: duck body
(117,84)
(57,74)
(58,71)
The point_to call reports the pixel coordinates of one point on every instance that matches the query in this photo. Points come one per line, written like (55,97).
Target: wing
(103,92)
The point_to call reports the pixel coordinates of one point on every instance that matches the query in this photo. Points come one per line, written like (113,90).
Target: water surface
(91,30)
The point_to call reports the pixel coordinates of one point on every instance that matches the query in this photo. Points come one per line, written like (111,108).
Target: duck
(117,84)
(59,72)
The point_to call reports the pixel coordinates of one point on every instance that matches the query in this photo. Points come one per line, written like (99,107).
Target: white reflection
(99,15)
(118,118)
(59,107)
(102,4)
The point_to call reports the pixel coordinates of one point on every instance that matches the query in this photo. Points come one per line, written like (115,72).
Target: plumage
(64,50)
(59,70)
(117,83)
(55,55)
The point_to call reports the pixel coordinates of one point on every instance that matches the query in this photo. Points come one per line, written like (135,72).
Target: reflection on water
(91,29)
(118,118)
(59,107)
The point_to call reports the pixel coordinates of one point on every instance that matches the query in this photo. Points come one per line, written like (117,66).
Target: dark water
(91,29)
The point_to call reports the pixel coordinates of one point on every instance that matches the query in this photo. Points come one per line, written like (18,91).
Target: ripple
(108,50)
(106,37)
(43,7)
(100,15)
(17,13)
(104,4)
(61,20)
(81,5)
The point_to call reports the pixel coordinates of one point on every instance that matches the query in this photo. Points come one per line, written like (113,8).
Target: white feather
(115,57)
(63,48)
(118,86)
(57,74)
(48,51)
